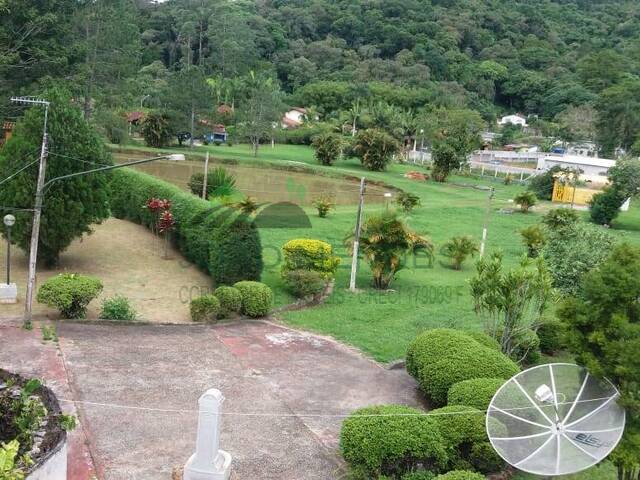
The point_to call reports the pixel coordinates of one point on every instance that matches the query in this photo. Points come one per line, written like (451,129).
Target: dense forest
(572,64)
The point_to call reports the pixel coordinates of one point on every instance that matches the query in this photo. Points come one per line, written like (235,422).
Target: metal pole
(206,174)
(8,255)
(356,242)
(485,225)
(35,231)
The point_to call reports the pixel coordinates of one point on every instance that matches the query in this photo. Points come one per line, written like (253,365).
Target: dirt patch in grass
(128,259)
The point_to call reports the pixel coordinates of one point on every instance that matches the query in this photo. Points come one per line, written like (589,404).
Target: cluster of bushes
(399,442)
(308,266)
(303,135)
(219,239)
(462,369)
(253,299)
(71,293)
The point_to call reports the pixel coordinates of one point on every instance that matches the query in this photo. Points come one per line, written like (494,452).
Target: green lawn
(383,323)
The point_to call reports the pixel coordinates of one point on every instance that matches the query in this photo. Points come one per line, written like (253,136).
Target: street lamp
(9,221)
(9,291)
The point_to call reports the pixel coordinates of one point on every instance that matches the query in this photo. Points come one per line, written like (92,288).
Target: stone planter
(49,452)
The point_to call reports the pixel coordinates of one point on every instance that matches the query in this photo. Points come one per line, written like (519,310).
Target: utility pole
(485,225)
(356,241)
(35,230)
(206,174)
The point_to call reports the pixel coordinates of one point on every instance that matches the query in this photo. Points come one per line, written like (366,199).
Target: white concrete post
(209,462)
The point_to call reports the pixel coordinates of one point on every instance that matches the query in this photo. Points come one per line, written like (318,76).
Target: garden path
(261,368)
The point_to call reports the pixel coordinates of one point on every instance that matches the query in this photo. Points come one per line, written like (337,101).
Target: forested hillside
(565,61)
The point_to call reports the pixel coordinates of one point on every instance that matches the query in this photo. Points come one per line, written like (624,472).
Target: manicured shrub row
(253,299)
(432,345)
(218,239)
(476,392)
(466,439)
(440,358)
(398,442)
(474,361)
(69,293)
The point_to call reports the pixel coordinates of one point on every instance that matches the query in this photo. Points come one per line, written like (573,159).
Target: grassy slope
(382,324)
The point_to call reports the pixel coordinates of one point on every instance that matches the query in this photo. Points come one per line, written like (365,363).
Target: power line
(19,171)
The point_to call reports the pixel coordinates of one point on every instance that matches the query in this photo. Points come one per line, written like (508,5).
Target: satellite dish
(555,419)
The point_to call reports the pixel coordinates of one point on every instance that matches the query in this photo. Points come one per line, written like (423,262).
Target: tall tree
(619,116)
(231,38)
(604,333)
(109,39)
(261,109)
(70,206)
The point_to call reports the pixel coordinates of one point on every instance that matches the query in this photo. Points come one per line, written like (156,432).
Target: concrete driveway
(137,387)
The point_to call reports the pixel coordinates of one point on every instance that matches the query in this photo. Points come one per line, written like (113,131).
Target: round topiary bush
(484,339)
(432,345)
(70,293)
(476,392)
(205,308)
(472,361)
(310,254)
(230,300)
(460,475)
(303,283)
(391,440)
(257,298)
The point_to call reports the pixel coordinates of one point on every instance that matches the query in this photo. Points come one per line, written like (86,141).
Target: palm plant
(526,200)
(385,241)
(458,249)
(220,183)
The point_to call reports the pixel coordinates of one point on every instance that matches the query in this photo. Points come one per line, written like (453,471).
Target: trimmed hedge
(432,345)
(419,475)
(310,254)
(257,298)
(472,361)
(485,340)
(70,293)
(466,439)
(476,392)
(217,238)
(230,300)
(460,475)
(205,308)
(394,444)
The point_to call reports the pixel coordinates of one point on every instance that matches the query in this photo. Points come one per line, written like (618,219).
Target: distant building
(293,118)
(134,118)
(513,120)
(585,149)
(218,134)
(592,169)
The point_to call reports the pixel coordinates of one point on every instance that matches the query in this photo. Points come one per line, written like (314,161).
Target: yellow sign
(565,193)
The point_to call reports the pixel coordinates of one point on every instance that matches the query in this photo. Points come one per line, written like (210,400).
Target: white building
(592,169)
(293,118)
(514,120)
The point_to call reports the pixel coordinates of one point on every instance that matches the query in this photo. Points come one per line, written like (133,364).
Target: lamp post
(9,221)
(9,291)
